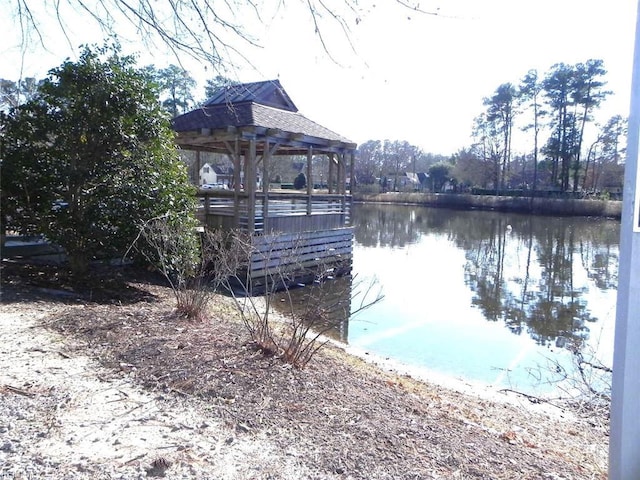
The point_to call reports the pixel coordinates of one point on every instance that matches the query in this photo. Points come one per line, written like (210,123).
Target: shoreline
(525,205)
(483,391)
(475,389)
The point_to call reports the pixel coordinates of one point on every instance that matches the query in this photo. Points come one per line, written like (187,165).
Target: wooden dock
(294,235)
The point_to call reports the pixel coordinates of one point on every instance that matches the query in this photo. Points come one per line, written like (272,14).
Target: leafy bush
(90,158)
(300,181)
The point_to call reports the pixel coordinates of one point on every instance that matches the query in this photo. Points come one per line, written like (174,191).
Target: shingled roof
(268,93)
(260,110)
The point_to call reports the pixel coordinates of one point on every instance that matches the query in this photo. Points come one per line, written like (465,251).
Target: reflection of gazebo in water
(252,123)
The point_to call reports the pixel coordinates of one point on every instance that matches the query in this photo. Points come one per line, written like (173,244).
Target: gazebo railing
(274,212)
(291,232)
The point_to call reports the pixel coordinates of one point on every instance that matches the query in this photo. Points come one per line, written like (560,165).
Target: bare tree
(205,30)
(470,169)
(488,143)
(604,165)
(299,332)
(188,261)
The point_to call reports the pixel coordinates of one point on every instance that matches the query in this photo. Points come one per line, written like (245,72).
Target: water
(499,299)
(496,299)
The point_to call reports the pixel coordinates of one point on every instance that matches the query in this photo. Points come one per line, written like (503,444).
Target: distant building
(423,178)
(212,174)
(411,179)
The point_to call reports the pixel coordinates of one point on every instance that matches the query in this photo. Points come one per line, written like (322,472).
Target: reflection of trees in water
(599,254)
(546,305)
(485,265)
(540,298)
(559,309)
(332,297)
(379,225)
(395,226)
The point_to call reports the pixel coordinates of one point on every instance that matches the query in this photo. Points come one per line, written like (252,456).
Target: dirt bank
(118,387)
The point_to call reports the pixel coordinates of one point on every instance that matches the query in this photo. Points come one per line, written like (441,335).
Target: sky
(400,74)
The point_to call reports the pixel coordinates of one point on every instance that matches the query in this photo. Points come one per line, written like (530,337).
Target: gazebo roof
(261,111)
(268,93)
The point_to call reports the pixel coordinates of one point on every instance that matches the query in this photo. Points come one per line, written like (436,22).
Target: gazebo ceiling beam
(232,150)
(274,149)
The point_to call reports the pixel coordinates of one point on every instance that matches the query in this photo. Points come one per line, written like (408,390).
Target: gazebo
(253,123)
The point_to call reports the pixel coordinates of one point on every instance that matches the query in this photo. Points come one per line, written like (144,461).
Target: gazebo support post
(341,175)
(351,172)
(235,156)
(331,170)
(309,179)
(342,180)
(250,185)
(195,169)
(266,159)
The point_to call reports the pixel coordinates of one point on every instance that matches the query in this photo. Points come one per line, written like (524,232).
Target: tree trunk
(79,265)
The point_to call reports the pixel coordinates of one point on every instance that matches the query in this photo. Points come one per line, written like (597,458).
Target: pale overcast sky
(414,77)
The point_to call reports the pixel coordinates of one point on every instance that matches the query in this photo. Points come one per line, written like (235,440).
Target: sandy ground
(64,416)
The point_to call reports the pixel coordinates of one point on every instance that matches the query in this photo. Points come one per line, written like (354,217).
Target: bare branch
(416,8)
(201,29)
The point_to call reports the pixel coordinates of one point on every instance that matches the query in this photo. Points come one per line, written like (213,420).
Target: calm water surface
(486,297)
(491,298)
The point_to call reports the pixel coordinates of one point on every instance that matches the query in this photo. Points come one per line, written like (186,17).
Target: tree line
(554,111)
(548,115)
(383,163)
